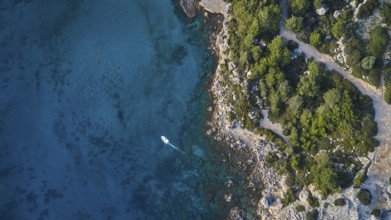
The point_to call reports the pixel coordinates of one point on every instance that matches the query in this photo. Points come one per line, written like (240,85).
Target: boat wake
(167,142)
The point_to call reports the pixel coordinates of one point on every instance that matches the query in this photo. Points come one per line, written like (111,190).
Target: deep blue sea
(87,87)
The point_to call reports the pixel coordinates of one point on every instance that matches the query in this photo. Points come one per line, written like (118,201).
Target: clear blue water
(87,87)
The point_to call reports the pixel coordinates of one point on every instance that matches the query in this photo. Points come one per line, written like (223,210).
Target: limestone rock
(303,196)
(322,10)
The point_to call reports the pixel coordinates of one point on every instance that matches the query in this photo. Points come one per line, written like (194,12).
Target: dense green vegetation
(323,32)
(328,122)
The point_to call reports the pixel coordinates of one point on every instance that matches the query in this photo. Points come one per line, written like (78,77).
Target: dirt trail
(275,127)
(382,161)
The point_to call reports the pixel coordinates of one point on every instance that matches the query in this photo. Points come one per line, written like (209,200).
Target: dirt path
(382,162)
(275,127)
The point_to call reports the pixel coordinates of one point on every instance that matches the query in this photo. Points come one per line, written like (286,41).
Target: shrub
(386,13)
(360,178)
(289,197)
(364,196)
(338,29)
(368,62)
(340,202)
(313,201)
(367,9)
(376,212)
(374,78)
(300,208)
(312,215)
(378,41)
(387,97)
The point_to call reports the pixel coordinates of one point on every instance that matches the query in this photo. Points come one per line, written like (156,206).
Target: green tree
(318,3)
(315,39)
(378,41)
(386,13)
(325,177)
(294,24)
(300,6)
(295,105)
(279,54)
(338,28)
(308,86)
(269,18)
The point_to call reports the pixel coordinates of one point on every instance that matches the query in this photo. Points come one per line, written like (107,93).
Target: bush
(312,215)
(376,212)
(378,41)
(289,197)
(367,9)
(386,13)
(368,62)
(313,201)
(340,202)
(300,208)
(360,178)
(364,196)
(374,78)
(387,95)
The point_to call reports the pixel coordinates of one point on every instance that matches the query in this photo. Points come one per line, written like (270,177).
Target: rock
(228,197)
(322,10)
(353,4)
(190,7)
(230,183)
(298,51)
(266,201)
(252,115)
(234,96)
(231,66)
(236,214)
(336,14)
(249,73)
(303,196)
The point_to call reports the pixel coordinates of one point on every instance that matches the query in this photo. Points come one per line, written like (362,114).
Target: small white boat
(164,139)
